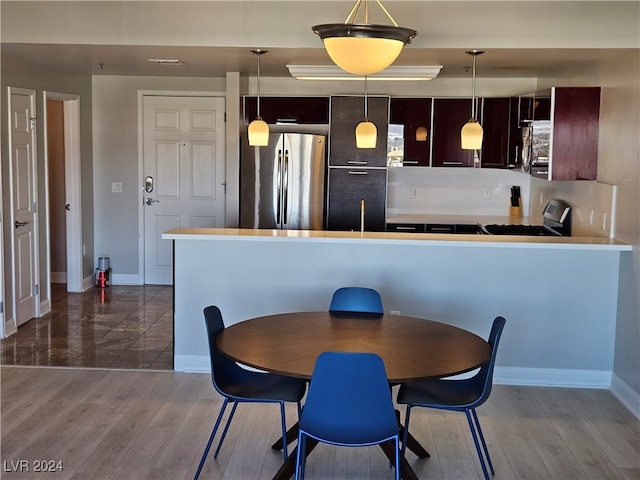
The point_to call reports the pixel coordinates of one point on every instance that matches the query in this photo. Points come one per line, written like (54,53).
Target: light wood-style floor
(135,425)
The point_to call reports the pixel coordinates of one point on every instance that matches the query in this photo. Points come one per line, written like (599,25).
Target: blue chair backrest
(484,378)
(356,299)
(224,371)
(349,399)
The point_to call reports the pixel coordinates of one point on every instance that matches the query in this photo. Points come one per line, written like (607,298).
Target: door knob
(151,201)
(20,224)
(67,207)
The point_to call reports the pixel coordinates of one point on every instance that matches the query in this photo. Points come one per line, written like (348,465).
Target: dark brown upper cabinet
(302,110)
(495,122)
(449,116)
(413,114)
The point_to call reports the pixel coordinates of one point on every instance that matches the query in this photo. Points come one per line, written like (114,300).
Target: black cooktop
(532,230)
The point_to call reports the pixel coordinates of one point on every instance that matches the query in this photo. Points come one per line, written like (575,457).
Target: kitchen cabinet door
(347,188)
(345,114)
(495,122)
(413,113)
(449,116)
(302,110)
(576,116)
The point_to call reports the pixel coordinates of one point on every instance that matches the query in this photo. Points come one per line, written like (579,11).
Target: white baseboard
(552,377)
(191,364)
(87,283)
(125,279)
(627,395)
(45,306)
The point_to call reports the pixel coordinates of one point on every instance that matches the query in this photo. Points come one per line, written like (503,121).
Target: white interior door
(183,174)
(22,146)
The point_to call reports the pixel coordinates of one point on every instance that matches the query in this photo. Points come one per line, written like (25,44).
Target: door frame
(71,109)
(141,211)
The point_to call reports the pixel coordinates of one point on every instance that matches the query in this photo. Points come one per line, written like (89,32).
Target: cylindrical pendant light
(472,133)
(258,129)
(363,48)
(366,132)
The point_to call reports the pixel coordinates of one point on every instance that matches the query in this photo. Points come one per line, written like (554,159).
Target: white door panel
(23,204)
(184,153)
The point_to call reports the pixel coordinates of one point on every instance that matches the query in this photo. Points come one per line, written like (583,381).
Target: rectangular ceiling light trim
(392,73)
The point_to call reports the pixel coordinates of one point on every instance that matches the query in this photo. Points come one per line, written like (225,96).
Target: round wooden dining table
(411,348)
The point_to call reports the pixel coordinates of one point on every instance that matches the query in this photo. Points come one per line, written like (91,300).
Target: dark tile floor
(128,327)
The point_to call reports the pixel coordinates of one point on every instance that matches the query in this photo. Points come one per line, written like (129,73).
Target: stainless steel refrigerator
(282,185)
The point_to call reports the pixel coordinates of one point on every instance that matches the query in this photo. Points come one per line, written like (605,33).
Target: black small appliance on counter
(556,221)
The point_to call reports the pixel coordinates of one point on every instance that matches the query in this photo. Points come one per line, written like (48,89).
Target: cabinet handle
(410,162)
(358,172)
(452,163)
(401,227)
(357,162)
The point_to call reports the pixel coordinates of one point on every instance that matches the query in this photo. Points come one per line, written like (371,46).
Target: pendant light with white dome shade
(472,133)
(258,129)
(366,131)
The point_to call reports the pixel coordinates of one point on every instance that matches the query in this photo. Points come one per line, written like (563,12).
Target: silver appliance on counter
(556,221)
(282,185)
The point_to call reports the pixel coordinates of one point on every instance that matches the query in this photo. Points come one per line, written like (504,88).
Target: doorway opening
(62,199)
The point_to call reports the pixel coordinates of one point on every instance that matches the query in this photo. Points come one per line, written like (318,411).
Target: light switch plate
(116,187)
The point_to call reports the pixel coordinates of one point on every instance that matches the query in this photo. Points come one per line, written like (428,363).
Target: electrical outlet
(486,194)
(415,193)
(116,187)
(591,217)
(395,312)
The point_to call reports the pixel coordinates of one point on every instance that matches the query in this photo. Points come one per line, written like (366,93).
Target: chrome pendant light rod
(257,52)
(474,54)
(366,106)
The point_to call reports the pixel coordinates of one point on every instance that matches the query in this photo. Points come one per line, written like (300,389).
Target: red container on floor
(103,278)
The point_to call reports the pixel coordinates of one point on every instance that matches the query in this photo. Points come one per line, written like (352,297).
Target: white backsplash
(454,191)
(463,191)
(592,204)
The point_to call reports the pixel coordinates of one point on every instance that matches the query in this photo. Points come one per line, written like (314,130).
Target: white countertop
(424,239)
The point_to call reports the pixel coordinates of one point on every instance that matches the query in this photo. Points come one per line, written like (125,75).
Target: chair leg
(484,444)
(226,428)
(477,444)
(213,434)
(284,431)
(301,456)
(397,462)
(405,434)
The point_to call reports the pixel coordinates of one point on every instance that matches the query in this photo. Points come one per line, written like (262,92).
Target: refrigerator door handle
(278,188)
(285,188)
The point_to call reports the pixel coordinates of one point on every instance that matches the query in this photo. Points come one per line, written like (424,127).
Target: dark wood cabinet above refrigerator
(345,114)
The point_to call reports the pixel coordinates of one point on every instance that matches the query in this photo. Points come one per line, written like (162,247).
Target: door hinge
(32,123)
(36,289)
(34,207)
(1,307)
(225,116)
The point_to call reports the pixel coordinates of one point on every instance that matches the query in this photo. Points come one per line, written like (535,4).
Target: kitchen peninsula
(559,295)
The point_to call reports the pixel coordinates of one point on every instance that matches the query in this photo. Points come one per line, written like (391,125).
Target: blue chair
(356,300)
(237,385)
(348,404)
(463,395)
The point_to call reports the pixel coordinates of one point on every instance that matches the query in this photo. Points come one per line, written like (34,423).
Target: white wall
(619,164)
(115,134)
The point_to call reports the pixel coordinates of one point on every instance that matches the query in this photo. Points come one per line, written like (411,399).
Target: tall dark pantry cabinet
(356,174)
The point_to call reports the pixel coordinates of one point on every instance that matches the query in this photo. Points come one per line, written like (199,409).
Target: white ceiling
(216,61)
(524,38)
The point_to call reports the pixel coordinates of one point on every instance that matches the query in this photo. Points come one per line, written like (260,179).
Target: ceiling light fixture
(392,73)
(366,132)
(258,129)
(363,48)
(471,134)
